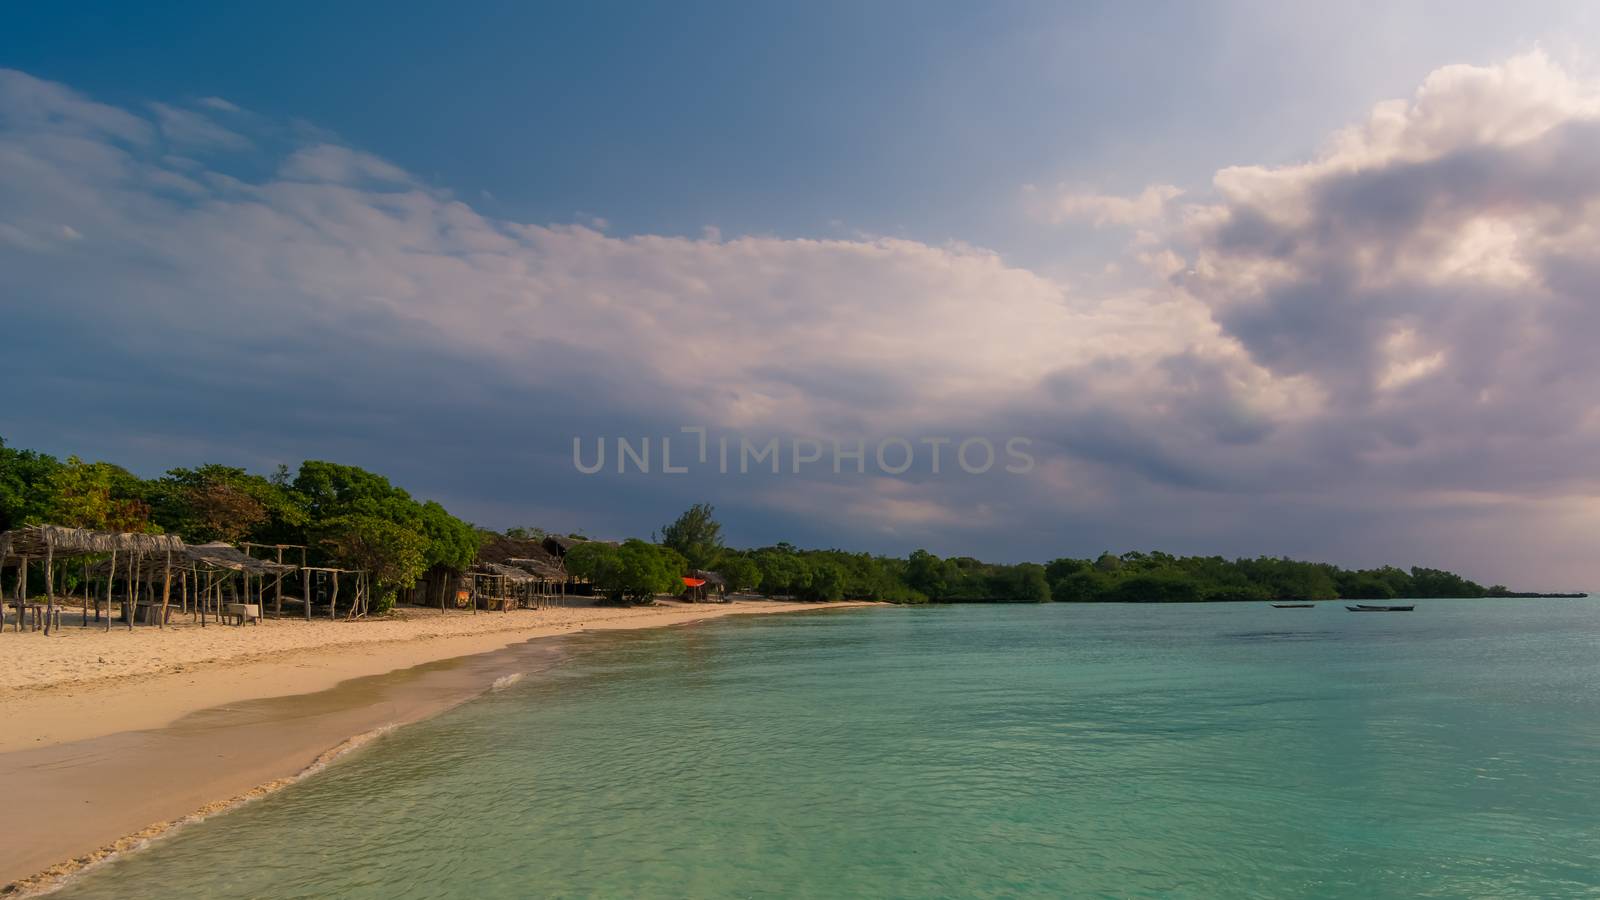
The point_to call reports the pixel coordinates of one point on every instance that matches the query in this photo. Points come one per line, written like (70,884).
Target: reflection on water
(969,751)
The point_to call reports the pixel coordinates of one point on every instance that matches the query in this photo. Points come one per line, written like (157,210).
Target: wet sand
(72,801)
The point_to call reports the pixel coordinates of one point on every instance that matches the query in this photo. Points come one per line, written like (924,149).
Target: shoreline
(96,767)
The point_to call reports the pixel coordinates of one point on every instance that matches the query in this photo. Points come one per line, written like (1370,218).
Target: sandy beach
(102,728)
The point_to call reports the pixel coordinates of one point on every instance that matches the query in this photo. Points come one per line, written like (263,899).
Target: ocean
(1217,750)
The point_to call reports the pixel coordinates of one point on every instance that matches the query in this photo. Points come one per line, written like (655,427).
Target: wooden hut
(53,544)
(530,558)
(550,588)
(216,565)
(497,586)
(705,587)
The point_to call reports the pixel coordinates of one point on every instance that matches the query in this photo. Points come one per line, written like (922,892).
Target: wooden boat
(1293,605)
(1368,607)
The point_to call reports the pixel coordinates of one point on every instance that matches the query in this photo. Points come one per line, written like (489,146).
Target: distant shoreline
(1513,596)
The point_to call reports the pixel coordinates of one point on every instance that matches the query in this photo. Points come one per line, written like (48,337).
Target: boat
(1368,607)
(1293,605)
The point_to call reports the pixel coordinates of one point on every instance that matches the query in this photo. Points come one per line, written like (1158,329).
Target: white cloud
(1315,336)
(1149,207)
(185,128)
(340,165)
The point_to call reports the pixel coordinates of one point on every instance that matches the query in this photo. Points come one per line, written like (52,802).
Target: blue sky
(443,241)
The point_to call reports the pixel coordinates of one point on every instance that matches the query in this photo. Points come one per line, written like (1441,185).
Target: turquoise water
(1225,750)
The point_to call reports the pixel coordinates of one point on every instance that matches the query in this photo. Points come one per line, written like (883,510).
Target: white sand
(84,682)
(89,763)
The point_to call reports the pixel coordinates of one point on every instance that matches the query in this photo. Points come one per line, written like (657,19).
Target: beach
(112,736)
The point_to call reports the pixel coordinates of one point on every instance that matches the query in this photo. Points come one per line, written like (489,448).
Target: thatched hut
(705,586)
(499,586)
(531,557)
(212,582)
(57,543)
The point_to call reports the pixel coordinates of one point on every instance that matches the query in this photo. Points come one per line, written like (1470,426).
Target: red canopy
(693,582)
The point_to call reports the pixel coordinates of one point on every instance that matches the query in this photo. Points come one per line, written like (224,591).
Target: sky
(1241,278)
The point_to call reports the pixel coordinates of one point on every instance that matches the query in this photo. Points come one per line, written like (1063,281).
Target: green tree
(221,503)
(391,554)
(932,576)
(783,571)
(585,560)
(697,535)
(1022,583)
(826,582)
(452,543)
(98,495)
(636,572)
(740,572)
(331,492)
(26,477)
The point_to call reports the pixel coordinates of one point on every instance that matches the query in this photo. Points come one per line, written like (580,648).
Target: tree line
(353,518)
(344,515)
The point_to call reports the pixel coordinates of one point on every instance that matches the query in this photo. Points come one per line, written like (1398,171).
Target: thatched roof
(544,566)
(712,579)
(225,556)
(525,554)
(36,540)
(511,573)
(214,557)
(498,548)
(559,544)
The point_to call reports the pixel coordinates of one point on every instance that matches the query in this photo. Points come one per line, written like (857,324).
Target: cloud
(1437,262)
(340,165)
(1149,207)
(189,129)
(1325,354)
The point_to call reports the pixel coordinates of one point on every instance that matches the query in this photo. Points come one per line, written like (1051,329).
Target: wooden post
(111,580)
(333,600)
(305,587)
(49,583)
(166,589)
(131,603)
(22,594)
(277,590)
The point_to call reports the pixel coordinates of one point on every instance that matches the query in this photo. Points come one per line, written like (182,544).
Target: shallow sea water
(1220,750)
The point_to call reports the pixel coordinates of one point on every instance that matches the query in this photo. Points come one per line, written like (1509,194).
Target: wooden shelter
(209,580)
(499,586)
(277,588)
(56,543)
(324,581)
(550,588)
(217,564)
(705,587)
(531,559)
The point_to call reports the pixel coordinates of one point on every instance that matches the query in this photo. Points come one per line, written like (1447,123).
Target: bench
(238,613)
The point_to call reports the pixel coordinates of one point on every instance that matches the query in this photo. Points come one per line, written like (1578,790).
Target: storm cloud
(1381,354)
